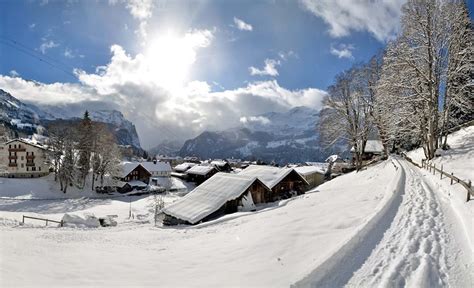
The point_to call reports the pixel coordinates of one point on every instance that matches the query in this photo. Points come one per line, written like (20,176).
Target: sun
(169,59)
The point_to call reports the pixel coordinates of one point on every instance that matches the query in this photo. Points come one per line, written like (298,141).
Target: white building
(157,169)
(23,159)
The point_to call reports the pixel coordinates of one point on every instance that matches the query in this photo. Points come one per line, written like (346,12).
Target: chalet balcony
(19,149)
(30,164)
(30,157)
(12,157)
(12,165)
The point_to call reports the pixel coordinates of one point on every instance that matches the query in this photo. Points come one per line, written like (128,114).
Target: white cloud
(55,93)
(141,10)
(342,51)
(13,73)
(241,25)
(139,85)
(47,44)
(268,70)
(68,53)
(32,26)
(286,55)
(380,18)
(260,119)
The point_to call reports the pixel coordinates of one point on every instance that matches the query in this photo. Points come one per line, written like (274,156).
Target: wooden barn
(372,149)
(221,165)
(314,175)
(223,193)
(200,173)
(283,182)
(134,171)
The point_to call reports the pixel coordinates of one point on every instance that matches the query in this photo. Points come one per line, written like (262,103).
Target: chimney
(154,161)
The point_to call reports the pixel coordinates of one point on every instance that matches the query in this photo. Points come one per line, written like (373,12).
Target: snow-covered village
(206,143)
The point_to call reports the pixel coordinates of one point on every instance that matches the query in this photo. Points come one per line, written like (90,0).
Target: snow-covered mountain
(125,131)
(17,114)
(29,118)
(281,137)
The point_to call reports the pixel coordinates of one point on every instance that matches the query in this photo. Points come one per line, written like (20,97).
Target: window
(27,168)
(22,165)
(33,168)
(39,168)
(22,158)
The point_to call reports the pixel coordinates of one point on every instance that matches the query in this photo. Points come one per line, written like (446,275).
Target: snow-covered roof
(128,167)
(307,170)
(200,170)
(334,158)
(137,183)
(184,166)
(156,166)
(209,196)
(269,175)
(25,141)
(372,146)
(219,163)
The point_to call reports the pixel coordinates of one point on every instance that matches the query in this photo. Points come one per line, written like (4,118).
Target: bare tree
(346,113)
(459,93)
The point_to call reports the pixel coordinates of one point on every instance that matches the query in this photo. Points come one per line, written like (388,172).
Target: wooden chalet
(134,171)
(223,193)
(282,182)
(200,173)
(314,175)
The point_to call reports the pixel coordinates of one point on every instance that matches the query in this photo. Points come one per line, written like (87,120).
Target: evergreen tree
(84,147)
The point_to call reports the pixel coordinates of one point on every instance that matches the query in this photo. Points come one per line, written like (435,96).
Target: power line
(31,52)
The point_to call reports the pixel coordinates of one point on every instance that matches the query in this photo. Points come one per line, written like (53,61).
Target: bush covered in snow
(80,221)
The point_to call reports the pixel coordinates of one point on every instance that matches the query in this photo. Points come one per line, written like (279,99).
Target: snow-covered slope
(274,247)
(28,118)
(459,159)
(125,131)
(18,114)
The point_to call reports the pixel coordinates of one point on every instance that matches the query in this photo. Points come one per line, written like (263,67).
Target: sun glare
(169,60)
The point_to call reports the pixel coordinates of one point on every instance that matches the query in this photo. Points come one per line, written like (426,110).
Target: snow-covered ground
(459,159)
(276,246)
(389,225)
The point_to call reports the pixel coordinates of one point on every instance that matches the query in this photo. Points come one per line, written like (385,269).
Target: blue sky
(197,81)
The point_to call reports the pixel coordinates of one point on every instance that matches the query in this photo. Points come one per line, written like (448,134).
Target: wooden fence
(431,167)
(43,219)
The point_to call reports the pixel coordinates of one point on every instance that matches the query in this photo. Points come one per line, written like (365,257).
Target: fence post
(46,222)
(441,174)
(61,223)
(451,178)
(434,169)
(23,219)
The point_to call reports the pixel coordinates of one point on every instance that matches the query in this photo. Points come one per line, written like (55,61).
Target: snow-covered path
(422,247)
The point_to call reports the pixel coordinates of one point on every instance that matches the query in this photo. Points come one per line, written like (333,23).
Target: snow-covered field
(389,225)
(276,246)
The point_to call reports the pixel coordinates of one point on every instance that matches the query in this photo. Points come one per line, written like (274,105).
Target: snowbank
(80,221)
(337,268)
